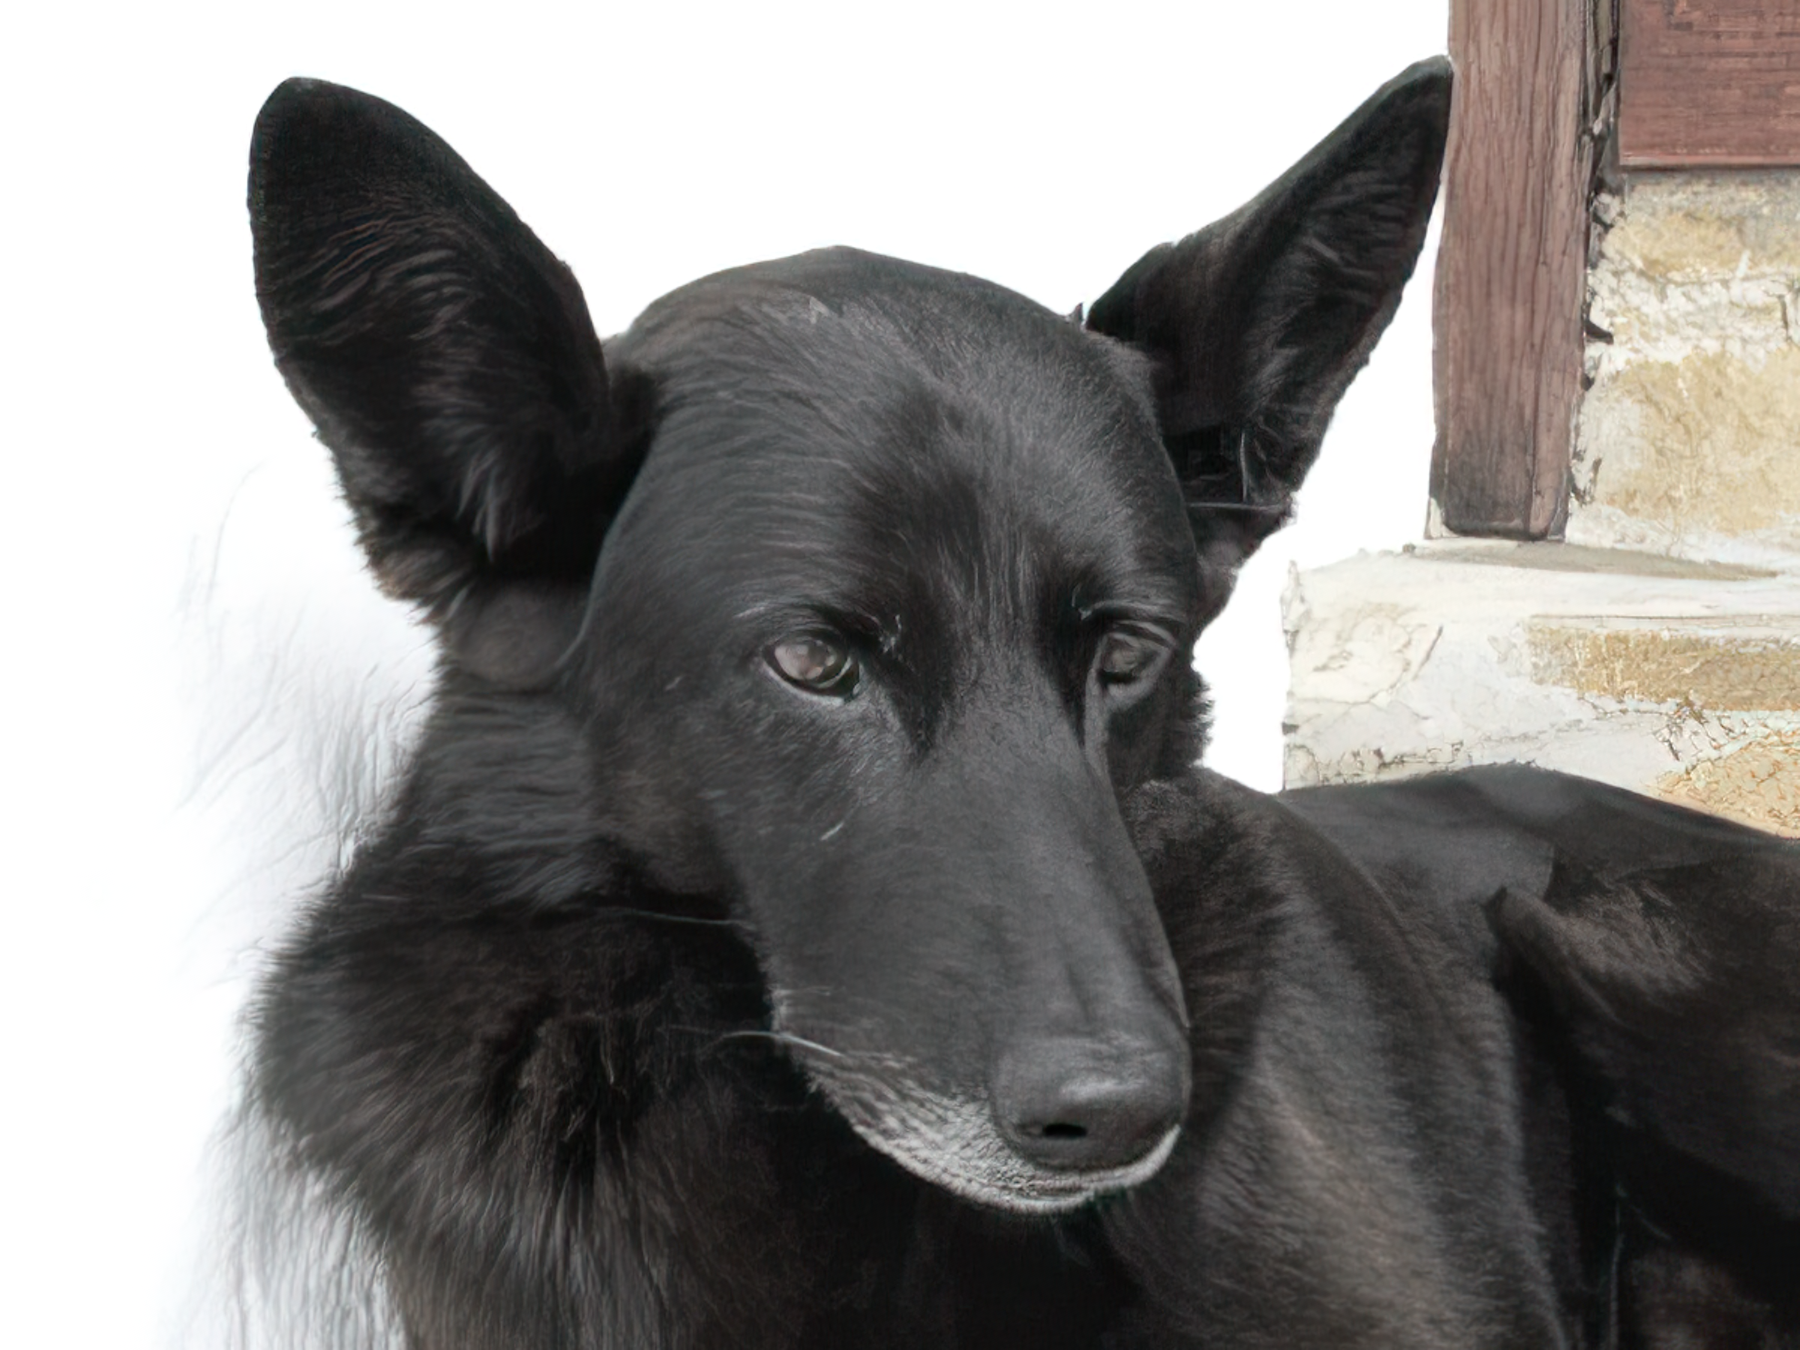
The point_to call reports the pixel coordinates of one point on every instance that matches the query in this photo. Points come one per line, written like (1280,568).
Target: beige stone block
(1706,446)
(1688,441)
(1708,225)
(1730,665)
(1757,783)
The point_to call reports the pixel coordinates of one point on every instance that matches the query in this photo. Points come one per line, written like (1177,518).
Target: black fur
(1648,957)
(801,925)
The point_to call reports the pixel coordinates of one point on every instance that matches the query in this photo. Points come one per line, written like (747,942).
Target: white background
(196,675)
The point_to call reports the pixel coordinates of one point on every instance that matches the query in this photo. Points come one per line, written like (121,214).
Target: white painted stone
(1406,663)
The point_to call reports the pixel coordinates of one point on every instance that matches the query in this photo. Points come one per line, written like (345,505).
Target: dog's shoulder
(1355,1110)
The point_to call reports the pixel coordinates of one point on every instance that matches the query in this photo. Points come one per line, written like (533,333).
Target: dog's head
(853,593)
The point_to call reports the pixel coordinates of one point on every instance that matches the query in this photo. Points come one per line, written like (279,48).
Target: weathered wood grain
(1709,83)
(1511,271)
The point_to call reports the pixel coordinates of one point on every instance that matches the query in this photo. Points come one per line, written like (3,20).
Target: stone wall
(1688,442)
(1659,647)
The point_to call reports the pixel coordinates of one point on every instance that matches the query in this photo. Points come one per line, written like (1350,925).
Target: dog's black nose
(1089,1105)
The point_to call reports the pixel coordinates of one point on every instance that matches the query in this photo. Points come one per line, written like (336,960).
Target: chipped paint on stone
(1689,438)
(1757,783)
(1681,679)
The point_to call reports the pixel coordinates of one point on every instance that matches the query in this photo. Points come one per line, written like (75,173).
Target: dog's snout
(1089,1105)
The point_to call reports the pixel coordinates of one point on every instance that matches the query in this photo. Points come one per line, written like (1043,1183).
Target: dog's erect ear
(1257,324)
(444,353)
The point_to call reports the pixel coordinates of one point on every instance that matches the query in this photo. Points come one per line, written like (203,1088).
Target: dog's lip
(1042,1191)
(937,1138)
(944,1135)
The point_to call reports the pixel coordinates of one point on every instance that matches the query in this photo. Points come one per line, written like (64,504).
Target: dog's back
(1647,954)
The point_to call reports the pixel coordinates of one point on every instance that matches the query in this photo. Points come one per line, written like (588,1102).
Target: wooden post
(1512,267)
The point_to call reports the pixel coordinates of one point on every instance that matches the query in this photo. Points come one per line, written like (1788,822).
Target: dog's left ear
(447,358)
(1258,323)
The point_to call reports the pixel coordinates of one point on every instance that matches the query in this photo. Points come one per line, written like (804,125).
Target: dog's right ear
(1256,325)
(445,355)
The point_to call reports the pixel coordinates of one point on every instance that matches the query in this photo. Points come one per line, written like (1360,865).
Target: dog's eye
(818,662)
(1128,655)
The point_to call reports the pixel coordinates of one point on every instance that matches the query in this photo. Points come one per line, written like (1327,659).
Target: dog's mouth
(951,1140)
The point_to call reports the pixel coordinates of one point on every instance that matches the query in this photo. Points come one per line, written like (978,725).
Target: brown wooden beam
(1512,267)
(1709,82)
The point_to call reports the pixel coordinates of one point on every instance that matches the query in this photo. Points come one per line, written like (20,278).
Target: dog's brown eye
(814,661)
(1127,655)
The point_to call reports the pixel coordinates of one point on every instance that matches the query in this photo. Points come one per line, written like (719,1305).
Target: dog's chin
(951,1142)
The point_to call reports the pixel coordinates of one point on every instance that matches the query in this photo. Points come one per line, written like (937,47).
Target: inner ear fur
(1257,324)
(445,355)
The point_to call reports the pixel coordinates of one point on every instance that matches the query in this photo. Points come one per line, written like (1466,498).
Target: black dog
(801,925)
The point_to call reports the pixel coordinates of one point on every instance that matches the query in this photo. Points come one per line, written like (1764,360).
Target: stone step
(1675,678)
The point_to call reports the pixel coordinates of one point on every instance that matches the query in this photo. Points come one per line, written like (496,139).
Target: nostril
(1089,1105)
